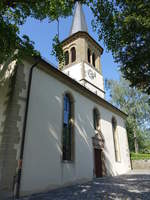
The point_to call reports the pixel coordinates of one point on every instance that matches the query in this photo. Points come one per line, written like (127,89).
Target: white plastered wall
(81,73)
(75,71)
(97,80)
(43,168)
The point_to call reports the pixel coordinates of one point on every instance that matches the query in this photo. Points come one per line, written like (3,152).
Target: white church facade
(56,128)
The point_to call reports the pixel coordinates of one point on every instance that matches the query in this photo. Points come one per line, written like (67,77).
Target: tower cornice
(84,35)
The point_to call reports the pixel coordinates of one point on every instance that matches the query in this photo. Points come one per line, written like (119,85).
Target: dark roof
(78,22)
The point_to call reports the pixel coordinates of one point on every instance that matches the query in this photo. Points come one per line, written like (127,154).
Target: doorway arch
(98,146)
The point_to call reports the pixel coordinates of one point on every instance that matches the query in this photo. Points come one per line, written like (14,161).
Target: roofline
(58,74)
(80,32)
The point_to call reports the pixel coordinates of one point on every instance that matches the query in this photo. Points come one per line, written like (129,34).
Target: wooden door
(98,162)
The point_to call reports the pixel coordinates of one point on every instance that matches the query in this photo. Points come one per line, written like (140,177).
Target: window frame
(89,55)
(93,60)
(67,57)
(70,130)
(115,140)
(96,119)
(73,54)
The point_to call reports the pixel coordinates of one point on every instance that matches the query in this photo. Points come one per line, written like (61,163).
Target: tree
(124,25)
(14,14)
(136,105)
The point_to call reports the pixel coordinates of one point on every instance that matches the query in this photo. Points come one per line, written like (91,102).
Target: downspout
(17,192)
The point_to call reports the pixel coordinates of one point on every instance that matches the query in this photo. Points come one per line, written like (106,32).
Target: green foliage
(125,28)
(14,14)
(139,156)
(136,105)
(123,25)
(57,50)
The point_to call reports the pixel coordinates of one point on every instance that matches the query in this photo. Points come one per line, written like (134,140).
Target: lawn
(139,156)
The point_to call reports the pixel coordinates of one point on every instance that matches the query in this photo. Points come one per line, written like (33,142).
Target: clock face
(91,74)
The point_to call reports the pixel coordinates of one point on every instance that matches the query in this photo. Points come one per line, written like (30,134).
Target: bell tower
(82,55)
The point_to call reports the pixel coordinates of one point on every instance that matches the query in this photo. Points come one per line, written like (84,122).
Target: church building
(56,128)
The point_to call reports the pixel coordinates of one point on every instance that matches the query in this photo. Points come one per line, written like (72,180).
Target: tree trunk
(136,146)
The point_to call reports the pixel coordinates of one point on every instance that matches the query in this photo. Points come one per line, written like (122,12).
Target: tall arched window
(96,119)
(73,54)
(93,59)
(66,58)
(89,55)
(67,128)
(116,142)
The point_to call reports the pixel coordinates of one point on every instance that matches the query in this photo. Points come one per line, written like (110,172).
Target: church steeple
(82,55)
(78,22)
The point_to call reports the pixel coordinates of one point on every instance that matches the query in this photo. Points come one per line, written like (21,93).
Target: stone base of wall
(10,135)
(141,164)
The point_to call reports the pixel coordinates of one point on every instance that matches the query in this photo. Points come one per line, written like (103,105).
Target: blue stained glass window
(66,109)
(67,129)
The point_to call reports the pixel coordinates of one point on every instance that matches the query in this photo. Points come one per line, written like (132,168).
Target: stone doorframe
(98,143)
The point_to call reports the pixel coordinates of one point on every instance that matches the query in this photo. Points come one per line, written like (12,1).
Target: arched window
(67,128)
(96,119)
(93,59)
(89,55)
(73,54)
(115,137)
(66,58)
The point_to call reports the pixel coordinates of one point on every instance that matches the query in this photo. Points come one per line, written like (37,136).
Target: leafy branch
(57,50)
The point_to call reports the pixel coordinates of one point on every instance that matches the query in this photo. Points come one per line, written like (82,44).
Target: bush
(145,151)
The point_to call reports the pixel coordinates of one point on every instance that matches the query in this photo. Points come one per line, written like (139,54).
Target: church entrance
(98,162)
(99,159)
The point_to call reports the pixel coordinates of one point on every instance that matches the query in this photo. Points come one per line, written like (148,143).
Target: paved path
(132,186)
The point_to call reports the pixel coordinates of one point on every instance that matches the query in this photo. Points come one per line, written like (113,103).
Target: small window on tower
(73,54)
(93,59)
(66,58)
(89,55)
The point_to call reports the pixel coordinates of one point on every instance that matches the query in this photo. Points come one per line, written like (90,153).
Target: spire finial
(78,22)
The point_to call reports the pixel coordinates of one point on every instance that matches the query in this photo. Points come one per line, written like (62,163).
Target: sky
(43,32)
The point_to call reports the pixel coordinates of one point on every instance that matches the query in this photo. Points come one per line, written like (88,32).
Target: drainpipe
(17,192)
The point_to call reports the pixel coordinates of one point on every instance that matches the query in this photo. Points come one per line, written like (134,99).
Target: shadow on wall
(109,167)
(80,130)
(82,127)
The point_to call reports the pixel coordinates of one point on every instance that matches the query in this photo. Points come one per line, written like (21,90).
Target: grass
(140,156)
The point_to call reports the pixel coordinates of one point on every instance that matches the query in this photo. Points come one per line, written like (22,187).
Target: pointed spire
(78,22)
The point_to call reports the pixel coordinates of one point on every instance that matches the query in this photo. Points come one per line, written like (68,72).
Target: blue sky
(42,33)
